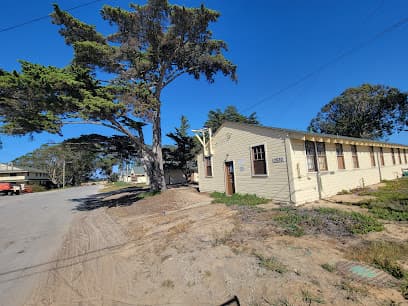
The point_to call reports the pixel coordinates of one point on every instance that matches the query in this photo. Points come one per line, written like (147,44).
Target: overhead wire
(334,60)
(19,25)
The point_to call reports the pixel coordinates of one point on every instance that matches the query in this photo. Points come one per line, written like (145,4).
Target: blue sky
(274,43)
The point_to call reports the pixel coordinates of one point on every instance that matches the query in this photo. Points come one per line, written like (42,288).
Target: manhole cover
(366,273)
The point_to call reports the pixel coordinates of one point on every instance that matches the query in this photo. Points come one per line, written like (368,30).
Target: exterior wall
(8,178)
(335,180)
(174,176)
(234,144)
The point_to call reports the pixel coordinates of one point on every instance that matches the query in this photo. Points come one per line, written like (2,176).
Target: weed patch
(328,267)
(297,222)
(391,201)
(352,291)
(310,298)
(271,263)
(384,255)
(238,199)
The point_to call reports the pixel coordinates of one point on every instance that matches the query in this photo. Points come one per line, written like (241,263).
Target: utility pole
(63,174)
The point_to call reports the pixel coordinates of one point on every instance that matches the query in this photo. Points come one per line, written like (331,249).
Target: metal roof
(313,136)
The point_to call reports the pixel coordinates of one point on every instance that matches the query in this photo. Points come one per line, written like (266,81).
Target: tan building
(294,166)
(16,175)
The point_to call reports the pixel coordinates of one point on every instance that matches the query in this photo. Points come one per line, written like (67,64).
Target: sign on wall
(278,160)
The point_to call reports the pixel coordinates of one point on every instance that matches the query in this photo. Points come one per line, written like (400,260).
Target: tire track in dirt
(87,265)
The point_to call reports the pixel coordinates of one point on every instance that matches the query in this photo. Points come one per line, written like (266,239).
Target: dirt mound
(172,199)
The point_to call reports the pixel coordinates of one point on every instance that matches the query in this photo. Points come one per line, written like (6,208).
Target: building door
(229,178)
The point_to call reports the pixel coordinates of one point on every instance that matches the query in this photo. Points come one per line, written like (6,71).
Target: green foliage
(356,223)
(297,222)
(217,117)
(154,44)
(238,199)
(391,202)
(368,111)
(83,157)
(183,155)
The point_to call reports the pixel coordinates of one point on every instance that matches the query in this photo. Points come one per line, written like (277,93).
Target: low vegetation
(271,263)
(309,298)
(328,267)
(38,188)
(391,201)
(238,199)
(297,222)
(120,185)
(385,255)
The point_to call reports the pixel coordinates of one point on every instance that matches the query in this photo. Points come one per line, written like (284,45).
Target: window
(340,156)
(208,166)
(354,156)
(258,160)
(393,156)
(382,156)
(405,156)
(372,157)
(399,155)
(321,156)
(311,156)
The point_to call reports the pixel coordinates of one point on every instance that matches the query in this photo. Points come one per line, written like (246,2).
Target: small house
(293,166)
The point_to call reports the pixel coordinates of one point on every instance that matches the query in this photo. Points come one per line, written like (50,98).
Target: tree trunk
(154,163)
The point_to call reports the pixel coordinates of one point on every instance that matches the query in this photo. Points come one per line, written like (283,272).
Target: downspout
(319,186)
(287,168)
(379,167)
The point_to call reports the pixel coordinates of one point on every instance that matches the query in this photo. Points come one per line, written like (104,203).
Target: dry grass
(385,255)
(271,263)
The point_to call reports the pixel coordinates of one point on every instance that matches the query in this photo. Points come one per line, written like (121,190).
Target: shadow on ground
(122,197)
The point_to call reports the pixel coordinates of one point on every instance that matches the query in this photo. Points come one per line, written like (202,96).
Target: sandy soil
(179,249)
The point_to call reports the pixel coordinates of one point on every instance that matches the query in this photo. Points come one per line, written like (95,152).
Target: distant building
(16,175)
(134,174)
(294,166)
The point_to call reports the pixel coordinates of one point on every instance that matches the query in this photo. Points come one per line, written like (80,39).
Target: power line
(330,62)
(19,25)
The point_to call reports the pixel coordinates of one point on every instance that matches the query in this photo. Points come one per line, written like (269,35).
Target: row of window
(316,156)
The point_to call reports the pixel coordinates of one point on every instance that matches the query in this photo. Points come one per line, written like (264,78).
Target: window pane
(354,156)
(339,149)
(208,168)
(258,160)
(310,156)
(372,156)
(393,156)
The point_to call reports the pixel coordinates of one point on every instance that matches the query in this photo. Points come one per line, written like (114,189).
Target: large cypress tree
(153,45)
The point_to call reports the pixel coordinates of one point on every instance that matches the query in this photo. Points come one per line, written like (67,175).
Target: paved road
(32,227)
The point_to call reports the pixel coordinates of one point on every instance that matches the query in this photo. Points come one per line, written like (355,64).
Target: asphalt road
(32,227)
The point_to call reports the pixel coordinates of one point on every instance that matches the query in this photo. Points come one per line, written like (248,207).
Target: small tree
(183,155)
(218,117)
(367,111)
(154,44)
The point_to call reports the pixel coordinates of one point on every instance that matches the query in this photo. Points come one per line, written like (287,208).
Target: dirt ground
(177,248)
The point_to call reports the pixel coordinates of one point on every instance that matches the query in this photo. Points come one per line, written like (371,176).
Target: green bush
(238,199)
